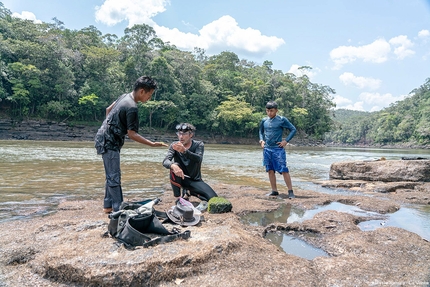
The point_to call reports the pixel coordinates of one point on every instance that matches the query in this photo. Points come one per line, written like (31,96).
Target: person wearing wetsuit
(184,160)
(274,157)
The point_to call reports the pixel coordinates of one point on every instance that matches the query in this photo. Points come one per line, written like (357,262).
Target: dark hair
(145,83)
(185,127)
(271,105)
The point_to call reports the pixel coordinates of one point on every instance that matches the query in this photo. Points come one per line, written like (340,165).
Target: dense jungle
(52,73)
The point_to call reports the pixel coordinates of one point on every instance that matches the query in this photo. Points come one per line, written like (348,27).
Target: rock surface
(67,248)
(382,170)
(61,131)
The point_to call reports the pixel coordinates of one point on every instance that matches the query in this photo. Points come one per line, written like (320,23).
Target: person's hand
(179,147)
(177,171)
(262,143)
(160,144)
(282,143)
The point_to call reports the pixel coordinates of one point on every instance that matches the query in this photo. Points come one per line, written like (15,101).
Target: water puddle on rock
(295,246)
(290,244)
(413,220)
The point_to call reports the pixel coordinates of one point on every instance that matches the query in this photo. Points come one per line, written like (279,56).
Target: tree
(89,105)
(168,111)
(235,117)
(25,86)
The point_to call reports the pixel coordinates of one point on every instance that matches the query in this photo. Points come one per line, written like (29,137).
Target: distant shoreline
(55,131)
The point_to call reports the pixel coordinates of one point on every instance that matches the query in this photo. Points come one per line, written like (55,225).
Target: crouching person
(184,159)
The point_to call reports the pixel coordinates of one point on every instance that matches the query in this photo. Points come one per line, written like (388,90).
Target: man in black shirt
(121,119)
(184,159)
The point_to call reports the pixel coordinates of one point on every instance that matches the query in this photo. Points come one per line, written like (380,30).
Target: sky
(371,52)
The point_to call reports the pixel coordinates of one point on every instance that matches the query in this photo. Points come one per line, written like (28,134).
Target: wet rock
(67,249)
(382,170)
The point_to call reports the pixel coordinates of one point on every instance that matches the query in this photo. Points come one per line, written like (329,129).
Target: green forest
(53,73)
(406,121)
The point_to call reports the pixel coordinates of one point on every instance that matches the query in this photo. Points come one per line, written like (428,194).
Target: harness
(135,222)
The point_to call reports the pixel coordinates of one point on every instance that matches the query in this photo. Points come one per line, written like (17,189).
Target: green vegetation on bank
(406,121)
(50,72)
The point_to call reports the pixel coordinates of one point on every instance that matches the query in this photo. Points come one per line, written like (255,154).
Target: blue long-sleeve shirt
(271,130)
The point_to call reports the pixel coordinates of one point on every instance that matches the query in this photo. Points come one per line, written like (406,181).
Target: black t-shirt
(122,117)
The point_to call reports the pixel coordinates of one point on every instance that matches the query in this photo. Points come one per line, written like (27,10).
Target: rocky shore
(68,249)
(60,131)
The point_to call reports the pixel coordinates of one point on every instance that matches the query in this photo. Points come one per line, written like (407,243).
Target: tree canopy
(50,72)
(406,121)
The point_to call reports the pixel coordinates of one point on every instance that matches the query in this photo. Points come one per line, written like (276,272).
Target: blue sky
(372,52)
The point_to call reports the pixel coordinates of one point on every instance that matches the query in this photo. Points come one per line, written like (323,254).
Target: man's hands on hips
(282,143)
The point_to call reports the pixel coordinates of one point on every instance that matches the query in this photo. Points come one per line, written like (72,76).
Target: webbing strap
(167,238)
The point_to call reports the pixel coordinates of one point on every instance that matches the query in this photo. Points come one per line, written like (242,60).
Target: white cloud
(376,52)
(341,101)
(25,15)
(294,69)
(380,99)
(344,103)
(220,35)
(359,82)
(374,100)
(358,106)
(375,109)
(112,12)
(423,33)
(403,44)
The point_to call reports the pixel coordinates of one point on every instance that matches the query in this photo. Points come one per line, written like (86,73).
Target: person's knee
(113,179)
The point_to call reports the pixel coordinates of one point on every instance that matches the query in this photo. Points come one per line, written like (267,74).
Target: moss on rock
(219,205)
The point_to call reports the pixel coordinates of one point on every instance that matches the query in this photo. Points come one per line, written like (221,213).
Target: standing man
(184,159)
(274,157)
(121,119)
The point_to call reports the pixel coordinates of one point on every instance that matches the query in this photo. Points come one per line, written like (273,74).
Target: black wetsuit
(190,162)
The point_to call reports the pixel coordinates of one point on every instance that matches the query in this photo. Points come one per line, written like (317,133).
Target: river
(36,175)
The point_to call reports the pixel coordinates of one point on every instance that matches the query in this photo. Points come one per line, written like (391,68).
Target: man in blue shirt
(274,157)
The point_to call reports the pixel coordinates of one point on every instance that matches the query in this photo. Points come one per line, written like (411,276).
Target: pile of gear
(139,224)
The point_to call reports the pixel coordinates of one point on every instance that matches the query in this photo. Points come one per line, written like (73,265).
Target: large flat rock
(66,248)
(382,170)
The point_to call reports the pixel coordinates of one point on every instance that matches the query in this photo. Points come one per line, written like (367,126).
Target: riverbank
(57,131)
(67,248)
(54,131)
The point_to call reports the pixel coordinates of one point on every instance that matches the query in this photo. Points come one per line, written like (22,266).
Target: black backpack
(138,224)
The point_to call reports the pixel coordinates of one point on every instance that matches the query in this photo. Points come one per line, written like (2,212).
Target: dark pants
(113,191)
(197,188)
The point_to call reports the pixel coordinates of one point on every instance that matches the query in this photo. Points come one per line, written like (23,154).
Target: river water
(36,175)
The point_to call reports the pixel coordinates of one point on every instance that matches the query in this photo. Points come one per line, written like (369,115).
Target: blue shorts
(275,159)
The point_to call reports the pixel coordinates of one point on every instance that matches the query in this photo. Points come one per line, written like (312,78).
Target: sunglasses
(183,133)
(182,127)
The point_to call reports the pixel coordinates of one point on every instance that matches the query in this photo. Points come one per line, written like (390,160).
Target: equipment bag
(135,221)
